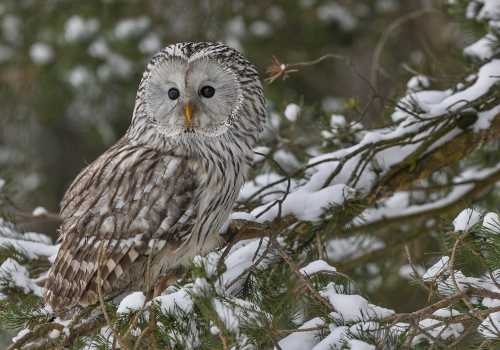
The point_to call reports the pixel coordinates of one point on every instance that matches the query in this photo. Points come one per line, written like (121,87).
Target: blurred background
(69,69)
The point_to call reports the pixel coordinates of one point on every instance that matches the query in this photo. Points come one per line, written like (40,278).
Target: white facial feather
(211,116)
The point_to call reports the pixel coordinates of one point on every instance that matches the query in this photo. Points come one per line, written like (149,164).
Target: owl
(168,185)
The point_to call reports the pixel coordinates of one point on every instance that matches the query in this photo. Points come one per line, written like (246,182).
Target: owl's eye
(173,94)
(207,91)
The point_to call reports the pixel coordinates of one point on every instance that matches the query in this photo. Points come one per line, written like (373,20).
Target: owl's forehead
(176,68)
(194,51)
(190,54)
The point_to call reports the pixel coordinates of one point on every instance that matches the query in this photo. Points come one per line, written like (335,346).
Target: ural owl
(171,179)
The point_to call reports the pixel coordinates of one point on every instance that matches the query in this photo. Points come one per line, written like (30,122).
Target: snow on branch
(272,283)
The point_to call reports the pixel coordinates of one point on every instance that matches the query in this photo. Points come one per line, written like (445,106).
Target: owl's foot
(166,280)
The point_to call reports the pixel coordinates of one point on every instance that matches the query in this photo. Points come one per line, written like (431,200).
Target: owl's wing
(129,196)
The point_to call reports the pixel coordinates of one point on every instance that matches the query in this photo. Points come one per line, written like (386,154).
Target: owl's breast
(221,173)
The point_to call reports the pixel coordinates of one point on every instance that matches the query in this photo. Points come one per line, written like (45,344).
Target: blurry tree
(385,139)
(69,69)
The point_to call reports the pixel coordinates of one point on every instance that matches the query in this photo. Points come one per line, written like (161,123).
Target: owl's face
(197,96)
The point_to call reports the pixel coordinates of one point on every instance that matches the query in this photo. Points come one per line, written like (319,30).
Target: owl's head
(202,90)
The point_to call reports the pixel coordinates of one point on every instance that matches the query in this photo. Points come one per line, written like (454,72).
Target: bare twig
(281,200)
(319,245)
(141,337)
(254,265)
(479,257)
(385,34)
(277,69)
(288,331)
(417,276)
(22,217)
(305,279)
(387,333)
(328,272)
(452,273)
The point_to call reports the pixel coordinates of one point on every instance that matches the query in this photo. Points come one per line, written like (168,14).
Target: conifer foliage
(314,229)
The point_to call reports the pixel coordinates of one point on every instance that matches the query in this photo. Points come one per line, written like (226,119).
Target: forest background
(69,71)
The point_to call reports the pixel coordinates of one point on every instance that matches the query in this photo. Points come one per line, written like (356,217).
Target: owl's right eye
(173,94)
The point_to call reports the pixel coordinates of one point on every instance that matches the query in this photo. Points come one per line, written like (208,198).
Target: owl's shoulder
(123,174)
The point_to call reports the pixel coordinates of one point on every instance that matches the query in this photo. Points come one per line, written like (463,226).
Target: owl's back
(128,197)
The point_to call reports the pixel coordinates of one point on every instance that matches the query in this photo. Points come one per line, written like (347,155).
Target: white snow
(491,222)
(487,77)
(337,121)
(292,111)
(287,160)
(326,134)
(18,276)
(228,313)
(334,340)
(307,203)
(439,266)
(490,327)
(446,313)
(41,53)
(317,266)
(260,149)
(453,329)
(172,302)
(490,9)
(99,48)
(309,196)
(262,180)
(406,272)
(39,211)
(343,249)
(240,259)
(120,66)
(485,118)
(131,27)
(78,29)
(20,335)
(302,340)
(353,307)
(131,303)
(260,28)
(332,11)
(482,48)
(150,44)
(418,83)
(12,29)
(36,237)
(79,76)
(447,287)
(235,216)
(31,249)
(2,183)
(466,219)
(360,345)
(54,334)
(399,205)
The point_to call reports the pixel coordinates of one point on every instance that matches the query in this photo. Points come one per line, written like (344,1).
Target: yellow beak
(188,113)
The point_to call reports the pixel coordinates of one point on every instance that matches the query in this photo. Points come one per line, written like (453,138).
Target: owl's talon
(163,282)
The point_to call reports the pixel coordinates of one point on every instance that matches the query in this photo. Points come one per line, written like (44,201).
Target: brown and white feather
(152,185)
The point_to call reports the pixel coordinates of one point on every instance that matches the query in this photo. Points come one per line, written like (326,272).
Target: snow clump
(292,111)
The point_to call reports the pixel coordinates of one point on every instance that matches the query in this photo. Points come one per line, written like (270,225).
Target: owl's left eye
(173,94)
(207,91)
